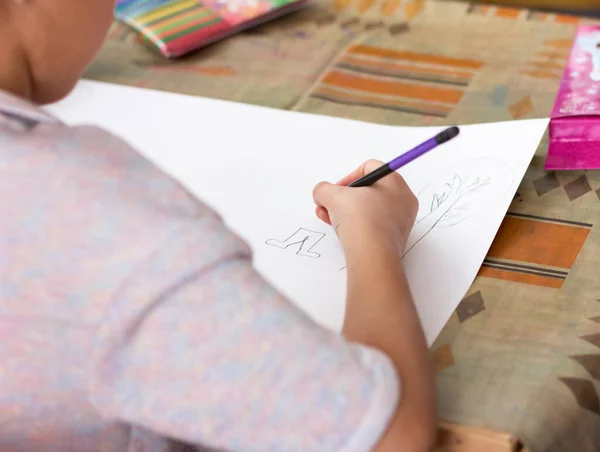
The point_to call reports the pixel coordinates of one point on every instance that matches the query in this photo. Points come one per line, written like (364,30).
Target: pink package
(575,119)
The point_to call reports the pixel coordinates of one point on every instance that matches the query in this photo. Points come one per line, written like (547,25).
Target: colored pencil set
(177,27)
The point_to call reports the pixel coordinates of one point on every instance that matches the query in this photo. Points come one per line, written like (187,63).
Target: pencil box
(575,118)
(177,27)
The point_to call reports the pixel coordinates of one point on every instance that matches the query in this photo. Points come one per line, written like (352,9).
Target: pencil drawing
(467,189)
(446,208)
(302,241)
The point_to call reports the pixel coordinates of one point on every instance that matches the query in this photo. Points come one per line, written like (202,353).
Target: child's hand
(385,210)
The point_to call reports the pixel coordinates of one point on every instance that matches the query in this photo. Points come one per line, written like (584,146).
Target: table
(521,354)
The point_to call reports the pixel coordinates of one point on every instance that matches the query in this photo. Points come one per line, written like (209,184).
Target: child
(131,319)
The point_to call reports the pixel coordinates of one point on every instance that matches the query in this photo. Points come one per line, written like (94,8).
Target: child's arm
(380,313)
(373,224)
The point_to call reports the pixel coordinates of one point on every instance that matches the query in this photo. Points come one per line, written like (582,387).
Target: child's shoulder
(81,196)
(86,160)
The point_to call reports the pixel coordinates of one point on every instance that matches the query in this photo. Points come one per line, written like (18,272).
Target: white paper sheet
(257,167)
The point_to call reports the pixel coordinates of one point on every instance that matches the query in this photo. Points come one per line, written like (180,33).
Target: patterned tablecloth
(521,354)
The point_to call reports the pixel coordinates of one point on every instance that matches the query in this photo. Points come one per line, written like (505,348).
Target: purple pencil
(399,162)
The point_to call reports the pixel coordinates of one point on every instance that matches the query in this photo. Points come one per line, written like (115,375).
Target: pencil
(399,162)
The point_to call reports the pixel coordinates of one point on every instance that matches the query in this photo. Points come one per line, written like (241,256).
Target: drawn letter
(302,241)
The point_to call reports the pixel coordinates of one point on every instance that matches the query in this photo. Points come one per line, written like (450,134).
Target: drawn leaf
(456,181)
(456,211)
(435,203)
(451,215)
(448,206)
(459,194)
(477,185)
(462,188)
(439,199)
(455,185)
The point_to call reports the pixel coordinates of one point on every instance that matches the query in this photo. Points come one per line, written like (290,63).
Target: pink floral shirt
(131,318)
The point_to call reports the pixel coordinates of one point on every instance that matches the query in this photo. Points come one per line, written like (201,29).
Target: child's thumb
(323,193)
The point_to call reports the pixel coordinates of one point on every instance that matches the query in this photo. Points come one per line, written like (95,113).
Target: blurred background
(587,7)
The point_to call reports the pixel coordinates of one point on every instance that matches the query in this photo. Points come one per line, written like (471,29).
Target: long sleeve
(197,346)
(131,316)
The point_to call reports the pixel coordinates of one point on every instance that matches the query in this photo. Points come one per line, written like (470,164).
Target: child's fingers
(354,175)
(359,172)
(323,215)
(323,193)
